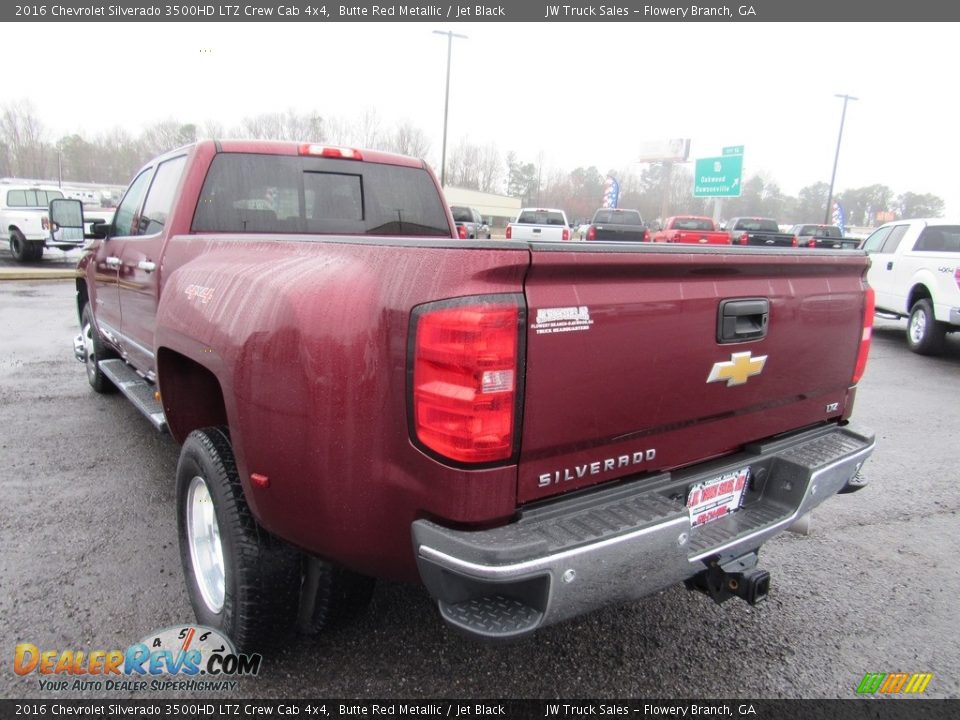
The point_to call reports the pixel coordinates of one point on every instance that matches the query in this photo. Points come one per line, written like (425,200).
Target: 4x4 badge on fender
(736,370)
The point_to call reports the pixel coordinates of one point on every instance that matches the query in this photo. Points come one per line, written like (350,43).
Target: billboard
(675,150)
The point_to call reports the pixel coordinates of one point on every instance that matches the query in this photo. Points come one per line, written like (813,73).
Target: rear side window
(939,238)
(32,198)
(541,217)
(893,239)
(248,193)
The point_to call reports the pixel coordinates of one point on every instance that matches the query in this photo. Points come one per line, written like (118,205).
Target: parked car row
(617,224)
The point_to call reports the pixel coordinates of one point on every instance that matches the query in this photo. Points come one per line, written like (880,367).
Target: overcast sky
(582,94)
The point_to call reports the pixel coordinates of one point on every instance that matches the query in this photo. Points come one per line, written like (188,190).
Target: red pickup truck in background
(691,229)
(532,429)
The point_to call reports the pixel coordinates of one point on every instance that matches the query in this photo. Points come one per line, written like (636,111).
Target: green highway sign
(718,176)
(733,150)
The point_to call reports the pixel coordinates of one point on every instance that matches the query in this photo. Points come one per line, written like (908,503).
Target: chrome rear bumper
(566,557)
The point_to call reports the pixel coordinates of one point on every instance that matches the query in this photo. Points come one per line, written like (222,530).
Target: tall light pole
(833,175)
(446,103)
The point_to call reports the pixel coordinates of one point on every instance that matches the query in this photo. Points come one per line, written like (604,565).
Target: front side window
(159,200)
(875,241)
(126,219)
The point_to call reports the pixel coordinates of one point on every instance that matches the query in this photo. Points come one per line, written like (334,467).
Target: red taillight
(465,367)
(956,276)
(796,242)
(45,222)
(462,232)
(812,243)
(646,235)
(566,234)
(509,232)
(329,151)
(869,306)
(743,240)
(591,233)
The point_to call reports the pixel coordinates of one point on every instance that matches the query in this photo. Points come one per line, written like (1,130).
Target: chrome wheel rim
(206,550)
(91,359)
(917,323)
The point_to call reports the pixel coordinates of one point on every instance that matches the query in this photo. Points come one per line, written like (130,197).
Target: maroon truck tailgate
(625,372)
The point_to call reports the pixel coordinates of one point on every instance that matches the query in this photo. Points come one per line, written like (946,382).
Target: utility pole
(446,103)
(833,175)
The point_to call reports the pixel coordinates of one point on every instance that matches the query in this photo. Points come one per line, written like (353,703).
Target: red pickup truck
(691,229)
(531,429)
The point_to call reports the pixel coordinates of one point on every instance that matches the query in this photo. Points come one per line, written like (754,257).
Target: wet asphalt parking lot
(89,558)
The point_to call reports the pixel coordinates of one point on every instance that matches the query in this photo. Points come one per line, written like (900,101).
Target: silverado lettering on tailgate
(597,467)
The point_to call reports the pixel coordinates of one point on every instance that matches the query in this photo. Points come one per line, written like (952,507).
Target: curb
(38,274)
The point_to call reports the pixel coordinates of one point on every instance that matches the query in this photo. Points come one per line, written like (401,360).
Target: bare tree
(289,125)
(490,169)
(214,129)
(23,135)
(167,135)
(119,156)
(464,165)
(408,139)
(368,133)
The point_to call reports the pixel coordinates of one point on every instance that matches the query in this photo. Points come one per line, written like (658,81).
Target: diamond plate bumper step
(567,556)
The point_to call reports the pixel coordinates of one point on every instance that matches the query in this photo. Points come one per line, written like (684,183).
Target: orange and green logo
(894,683)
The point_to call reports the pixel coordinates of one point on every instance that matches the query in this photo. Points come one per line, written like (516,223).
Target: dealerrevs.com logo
(191,657)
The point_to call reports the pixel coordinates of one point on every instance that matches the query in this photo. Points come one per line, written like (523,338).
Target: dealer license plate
(717,497)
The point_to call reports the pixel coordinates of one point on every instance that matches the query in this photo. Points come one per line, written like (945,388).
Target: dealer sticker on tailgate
(717,497)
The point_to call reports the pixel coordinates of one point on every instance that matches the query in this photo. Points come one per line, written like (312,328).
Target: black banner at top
(634,11)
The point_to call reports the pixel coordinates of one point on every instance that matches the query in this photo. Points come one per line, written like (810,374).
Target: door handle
(113,261)
(890,265)
(147,265)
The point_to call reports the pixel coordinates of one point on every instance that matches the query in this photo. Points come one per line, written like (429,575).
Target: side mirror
(66,219)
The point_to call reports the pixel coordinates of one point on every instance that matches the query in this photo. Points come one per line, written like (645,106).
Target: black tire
(95,350)
(24,250)
(252,593)
(925,335)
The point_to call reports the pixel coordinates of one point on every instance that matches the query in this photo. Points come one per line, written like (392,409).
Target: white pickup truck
(539,224)
(915,273)
(24,216)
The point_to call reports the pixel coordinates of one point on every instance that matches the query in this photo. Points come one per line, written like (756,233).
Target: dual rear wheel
(241,580)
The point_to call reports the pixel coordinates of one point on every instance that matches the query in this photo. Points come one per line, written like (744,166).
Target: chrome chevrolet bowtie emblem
(737,369)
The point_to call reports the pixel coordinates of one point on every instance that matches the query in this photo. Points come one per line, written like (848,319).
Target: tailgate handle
(740,320)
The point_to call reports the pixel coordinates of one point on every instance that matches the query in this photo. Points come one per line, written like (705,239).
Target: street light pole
(446,103)
(833,175)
